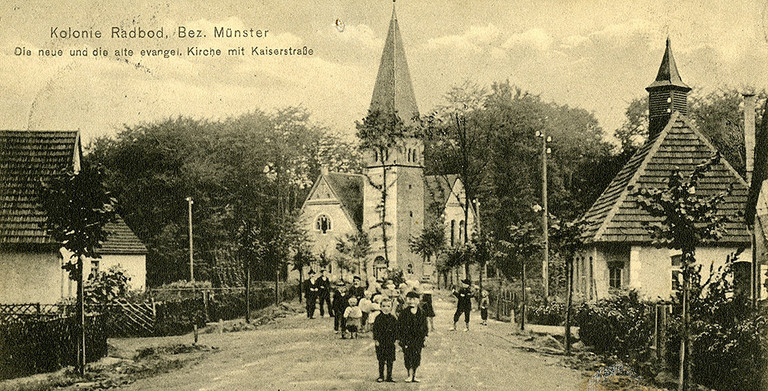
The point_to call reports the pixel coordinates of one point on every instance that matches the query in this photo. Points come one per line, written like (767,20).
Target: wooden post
(569,273)
(194,327)
(662,338)
(522,307)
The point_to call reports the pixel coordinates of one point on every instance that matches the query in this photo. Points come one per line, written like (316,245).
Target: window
(95,267)
(410,268)
(614,274)
(453,232)
(409,154)
(323,224)
(415,159)
(677,272)
(375,156)
(462,231)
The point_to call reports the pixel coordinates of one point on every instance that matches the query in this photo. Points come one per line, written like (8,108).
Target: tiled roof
(28,158)
(616,216)
(349,189)
(121,240)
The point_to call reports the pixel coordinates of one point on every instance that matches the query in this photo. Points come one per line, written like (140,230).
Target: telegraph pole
(191,256)
(545,218)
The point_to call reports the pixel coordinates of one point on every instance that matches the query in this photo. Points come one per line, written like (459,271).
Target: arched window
(386,155)
(323,223)
(415,159)
(409,154)
(375,156)
(462,231)
(410,268)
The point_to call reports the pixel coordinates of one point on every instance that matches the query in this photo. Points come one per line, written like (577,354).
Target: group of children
(403,315)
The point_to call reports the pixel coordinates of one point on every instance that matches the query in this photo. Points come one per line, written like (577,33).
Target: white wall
(135,267)
(31,277)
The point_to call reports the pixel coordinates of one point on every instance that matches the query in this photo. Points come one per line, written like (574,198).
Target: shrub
(620,325)
(552,314)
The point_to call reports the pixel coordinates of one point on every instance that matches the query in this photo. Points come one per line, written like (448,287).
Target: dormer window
(323,223)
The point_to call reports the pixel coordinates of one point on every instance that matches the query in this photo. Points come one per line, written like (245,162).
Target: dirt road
(297,353)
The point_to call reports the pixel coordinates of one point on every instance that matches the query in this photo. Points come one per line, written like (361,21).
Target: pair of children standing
(410,328)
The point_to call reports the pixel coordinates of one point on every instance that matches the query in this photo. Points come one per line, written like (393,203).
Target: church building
(620,254)
(342,205)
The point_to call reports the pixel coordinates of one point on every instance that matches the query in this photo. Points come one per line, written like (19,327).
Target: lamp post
(191,256)
(545,217)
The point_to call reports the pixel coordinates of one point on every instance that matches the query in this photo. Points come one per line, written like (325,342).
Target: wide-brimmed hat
(466,281)
(412,294)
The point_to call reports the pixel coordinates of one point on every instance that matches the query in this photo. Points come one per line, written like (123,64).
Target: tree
(106,287)
(687,219)
(524,242)
(568,236)
(431,242)
(77,207)
(355,248)
(459,137)
(380,132)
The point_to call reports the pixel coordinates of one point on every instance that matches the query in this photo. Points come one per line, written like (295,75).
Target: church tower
(400,170)
(666,95)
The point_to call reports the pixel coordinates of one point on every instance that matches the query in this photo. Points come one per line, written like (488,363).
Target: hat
(311,272)
(412,294)
(467,281)
(356,278)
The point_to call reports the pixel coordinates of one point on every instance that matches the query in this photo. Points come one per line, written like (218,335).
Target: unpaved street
(297,353)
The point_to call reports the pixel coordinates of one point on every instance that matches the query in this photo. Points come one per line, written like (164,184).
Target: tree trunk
(522,307)
(685,343)
(80,315)
(277,285)
(301,281)
(248,293)
(569,273)
(384,239)
(466,233)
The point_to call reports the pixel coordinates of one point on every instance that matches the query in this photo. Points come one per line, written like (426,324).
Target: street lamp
(545,217)
(191,256)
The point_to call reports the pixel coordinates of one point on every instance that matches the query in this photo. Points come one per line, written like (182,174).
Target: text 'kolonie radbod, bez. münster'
(116,32)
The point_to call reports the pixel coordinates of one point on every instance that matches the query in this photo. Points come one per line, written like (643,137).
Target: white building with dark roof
(620,253)
(30,261)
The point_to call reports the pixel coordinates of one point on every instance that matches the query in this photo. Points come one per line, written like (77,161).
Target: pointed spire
(668,75)
(393,91)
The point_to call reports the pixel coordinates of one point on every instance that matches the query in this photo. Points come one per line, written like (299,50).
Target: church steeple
(393,92)
(666,94)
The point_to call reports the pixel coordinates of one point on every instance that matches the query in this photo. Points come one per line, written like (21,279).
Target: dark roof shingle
(616,215)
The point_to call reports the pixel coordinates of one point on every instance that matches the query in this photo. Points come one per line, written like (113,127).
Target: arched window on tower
(323,223)
(375,156)
(409,154)
(415,159)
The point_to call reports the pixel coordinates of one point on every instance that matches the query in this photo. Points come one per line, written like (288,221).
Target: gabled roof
(616,216)
(437,190)
(28,158)
(668,76)
(393,91)
(347,189)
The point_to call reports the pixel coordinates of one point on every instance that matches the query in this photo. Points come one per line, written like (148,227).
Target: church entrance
(379,268)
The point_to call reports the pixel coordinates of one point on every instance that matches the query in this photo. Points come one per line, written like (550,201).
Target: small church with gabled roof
(620,254)
(342,204)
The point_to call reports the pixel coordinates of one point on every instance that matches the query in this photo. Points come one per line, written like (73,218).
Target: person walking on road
(464,305)
(357,289)
(339,305)
(310,293)
(384,335)
(324,293)
(412,330)
(484,302)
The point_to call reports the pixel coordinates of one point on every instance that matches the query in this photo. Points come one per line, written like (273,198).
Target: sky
(595,55)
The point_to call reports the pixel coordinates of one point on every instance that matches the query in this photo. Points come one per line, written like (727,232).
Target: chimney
(323,170)
(749,134)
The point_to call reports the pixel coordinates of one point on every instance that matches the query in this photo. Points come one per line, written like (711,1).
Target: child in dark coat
(340,304)
(384,335)
(412,330)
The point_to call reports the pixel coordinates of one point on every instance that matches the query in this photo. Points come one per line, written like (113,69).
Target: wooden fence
(506,304)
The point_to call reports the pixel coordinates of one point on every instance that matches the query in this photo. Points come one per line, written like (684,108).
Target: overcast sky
(596,55)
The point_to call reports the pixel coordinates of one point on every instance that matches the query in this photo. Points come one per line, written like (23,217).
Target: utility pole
(545,218)
(191,256)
